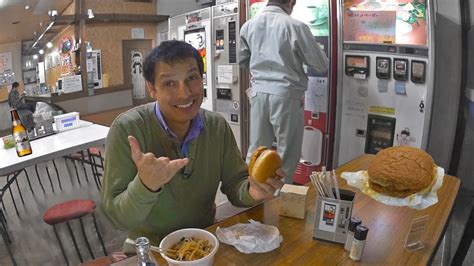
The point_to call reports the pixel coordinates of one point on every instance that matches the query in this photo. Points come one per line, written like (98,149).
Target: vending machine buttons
(400,69)
(232,43)
(384,65)
(357,66)
(418,71)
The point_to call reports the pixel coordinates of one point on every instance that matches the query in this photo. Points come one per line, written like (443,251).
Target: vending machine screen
(418,70)
(383,67)
(400,69)
(380,133)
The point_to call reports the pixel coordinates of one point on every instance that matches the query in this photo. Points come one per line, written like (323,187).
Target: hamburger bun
(264,163)
(401,171)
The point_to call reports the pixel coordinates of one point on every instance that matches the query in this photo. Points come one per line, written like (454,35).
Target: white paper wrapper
(253,237)
(417,201)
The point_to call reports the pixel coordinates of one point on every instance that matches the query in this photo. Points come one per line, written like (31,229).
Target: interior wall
(108,38)
(15,49)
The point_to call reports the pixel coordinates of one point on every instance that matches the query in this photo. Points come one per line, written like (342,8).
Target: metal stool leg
(95,173)
(60,245)
(57,175)
(7,244)
(85,239)
(49,177)
(28,179)
(19,191)
(74,241)
(99,235)
(77,173)
(39,180)
(13,198)
(83,166)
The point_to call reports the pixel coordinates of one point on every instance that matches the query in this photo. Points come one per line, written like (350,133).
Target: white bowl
(174,237)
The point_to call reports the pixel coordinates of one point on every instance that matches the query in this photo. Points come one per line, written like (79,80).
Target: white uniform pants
(281,117)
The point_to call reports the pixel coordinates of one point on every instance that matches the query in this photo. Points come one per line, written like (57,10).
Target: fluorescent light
(49,45)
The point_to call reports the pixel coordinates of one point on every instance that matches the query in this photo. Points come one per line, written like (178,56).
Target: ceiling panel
(19,24)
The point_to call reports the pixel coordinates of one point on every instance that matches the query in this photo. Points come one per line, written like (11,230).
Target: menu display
(407,25)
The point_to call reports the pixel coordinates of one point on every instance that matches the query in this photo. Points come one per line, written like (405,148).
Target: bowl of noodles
(190,246)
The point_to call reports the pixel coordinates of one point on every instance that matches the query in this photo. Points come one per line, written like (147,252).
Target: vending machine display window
(197,38)
(380,133)
(418,71)
(400,69)
(357,66)
(384,67)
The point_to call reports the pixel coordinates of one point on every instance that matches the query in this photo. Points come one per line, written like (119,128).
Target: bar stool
(68,211)
(466,241)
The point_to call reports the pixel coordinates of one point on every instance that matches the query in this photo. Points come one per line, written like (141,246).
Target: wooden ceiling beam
(111,18)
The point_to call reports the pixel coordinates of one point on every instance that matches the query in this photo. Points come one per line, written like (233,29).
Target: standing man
(274,46)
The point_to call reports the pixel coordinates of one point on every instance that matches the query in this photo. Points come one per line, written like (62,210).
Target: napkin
(419,201)
(253,237)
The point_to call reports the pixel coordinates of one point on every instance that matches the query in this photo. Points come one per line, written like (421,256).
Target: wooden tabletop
(385,242)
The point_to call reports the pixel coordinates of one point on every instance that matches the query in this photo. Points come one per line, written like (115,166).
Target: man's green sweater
(188,199)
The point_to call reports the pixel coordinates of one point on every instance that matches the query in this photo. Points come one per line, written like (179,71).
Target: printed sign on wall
(5,62)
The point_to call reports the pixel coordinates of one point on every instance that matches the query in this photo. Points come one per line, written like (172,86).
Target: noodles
(188,249)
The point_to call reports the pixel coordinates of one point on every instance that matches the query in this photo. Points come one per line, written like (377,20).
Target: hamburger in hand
(401,171)
(264,163)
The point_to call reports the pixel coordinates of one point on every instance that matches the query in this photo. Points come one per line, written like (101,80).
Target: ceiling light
(49,45)
(35,56)
(41,51)
(90,14)
(27,7)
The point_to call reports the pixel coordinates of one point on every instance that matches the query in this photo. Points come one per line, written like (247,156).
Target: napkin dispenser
(333,216)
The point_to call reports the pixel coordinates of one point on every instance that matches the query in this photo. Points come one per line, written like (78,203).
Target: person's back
(278,48)
(15,100)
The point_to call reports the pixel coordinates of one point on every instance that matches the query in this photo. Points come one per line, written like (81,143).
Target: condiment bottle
(144,256)
(353,223)
(358,243)
(20,135)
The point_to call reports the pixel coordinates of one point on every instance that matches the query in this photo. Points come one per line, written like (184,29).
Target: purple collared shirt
(194,131)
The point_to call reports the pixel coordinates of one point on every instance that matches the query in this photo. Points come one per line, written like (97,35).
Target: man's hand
(154,172)
(263,191)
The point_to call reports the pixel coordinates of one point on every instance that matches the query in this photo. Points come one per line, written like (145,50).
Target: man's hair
(170,52)
(15,84)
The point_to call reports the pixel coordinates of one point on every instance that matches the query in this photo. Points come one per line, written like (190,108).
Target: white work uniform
(274,46)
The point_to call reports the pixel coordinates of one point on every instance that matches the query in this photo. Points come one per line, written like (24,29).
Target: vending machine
(195,28)
(226,81)
(386,83)
(320,97)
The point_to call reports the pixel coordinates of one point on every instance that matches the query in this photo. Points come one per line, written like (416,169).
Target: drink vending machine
(386,83)
(226,36)
(195,28)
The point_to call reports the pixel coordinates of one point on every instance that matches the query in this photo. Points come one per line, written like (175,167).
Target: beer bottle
(20,135)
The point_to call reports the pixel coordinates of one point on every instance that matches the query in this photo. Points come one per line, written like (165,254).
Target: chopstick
(325,183)
(154,248)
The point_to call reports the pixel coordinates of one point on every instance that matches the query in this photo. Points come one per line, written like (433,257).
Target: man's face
(179,91)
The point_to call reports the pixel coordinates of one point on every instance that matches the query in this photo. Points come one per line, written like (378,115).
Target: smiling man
(164,160)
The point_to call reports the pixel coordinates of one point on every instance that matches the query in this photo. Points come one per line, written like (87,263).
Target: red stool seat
(68,210)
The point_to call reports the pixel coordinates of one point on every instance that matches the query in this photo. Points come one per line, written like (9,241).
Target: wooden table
(385,242)
(384,245)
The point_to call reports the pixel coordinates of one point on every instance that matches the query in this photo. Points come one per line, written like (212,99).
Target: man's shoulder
(134,115)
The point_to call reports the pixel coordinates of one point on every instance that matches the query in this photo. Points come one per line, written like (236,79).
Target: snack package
(253,237)
(417,201)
